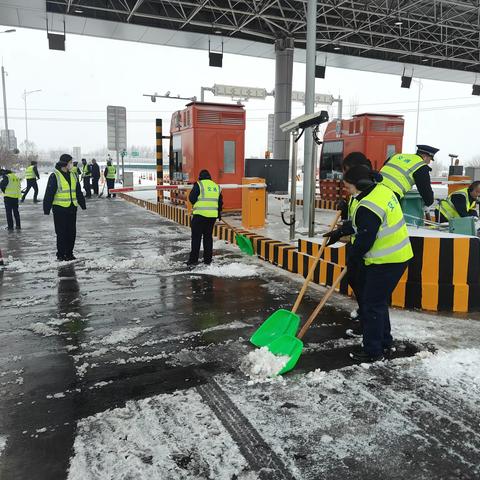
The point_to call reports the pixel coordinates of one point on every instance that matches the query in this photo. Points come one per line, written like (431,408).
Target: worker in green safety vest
(75,170)
(63,195)
(380,251)
(110,174)
(10,185)
(86,170)
(403,170)
(461,203)
(31,176)
(207,202)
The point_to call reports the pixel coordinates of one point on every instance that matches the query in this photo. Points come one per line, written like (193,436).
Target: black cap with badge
(428,150)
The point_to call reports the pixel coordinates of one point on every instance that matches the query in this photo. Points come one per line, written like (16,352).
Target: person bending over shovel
(207,202)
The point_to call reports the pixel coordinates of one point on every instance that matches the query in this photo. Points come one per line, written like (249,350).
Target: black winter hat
(354,159)
(204,175)
(362,177)
(64,159)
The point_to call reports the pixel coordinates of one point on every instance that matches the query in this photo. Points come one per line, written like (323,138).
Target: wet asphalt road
(49,382)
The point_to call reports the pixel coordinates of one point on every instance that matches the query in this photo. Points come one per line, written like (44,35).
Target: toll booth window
(229,156)
(331,160)
(177,157)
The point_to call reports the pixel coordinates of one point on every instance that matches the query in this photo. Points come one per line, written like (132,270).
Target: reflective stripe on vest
(66,192)
(30,173)
(13,189)
(85,171)
(207,203)
(111,172)
(447,208)
(398,172)
(392,244)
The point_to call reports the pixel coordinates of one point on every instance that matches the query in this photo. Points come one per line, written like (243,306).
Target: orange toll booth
(378,136)
(209,136)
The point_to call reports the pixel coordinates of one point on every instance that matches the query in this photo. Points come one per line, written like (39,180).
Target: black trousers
(356,280)
(65,220)
(110,185)
(379,281)
(11,209)
(95,185)
(202,229)
(87,186)
(31,183)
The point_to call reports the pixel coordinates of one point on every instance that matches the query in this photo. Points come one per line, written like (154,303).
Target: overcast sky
(78,84)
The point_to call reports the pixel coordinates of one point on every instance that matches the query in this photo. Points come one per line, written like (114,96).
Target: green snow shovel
(244,243)
(285,322)
(291,346)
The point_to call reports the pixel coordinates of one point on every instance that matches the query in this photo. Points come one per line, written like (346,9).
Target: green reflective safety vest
(111,172)
(447,208)
(392,244)
(398,172)
(207,203)
(74,170)
(352,205)
(29,173)
(66,192)
(13,189)
(85,171)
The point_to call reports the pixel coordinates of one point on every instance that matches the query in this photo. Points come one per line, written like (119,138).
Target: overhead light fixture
(56,41)
(399,23)
(476,89)
(424,60)
(77,10)
(217,32)
(215,59)
(336,47)
(406,80)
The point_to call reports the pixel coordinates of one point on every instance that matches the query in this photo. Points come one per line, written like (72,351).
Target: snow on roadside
(42,329)
(462,365)
(229,270)
(155,438)
(123,335)
(3,442)
(261,364)
(141,262)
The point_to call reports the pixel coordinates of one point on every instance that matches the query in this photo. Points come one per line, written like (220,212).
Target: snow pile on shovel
(261,364)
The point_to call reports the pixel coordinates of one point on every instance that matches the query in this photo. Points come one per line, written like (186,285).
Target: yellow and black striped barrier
(322,204)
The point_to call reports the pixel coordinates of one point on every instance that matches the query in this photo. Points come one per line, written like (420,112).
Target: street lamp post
(24,96)
(7,139)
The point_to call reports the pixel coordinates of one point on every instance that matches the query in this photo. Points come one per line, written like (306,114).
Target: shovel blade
(287,345)
(281,322)
(244,244)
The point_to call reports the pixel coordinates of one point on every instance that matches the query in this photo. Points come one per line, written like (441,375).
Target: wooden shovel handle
(315,263)
(319,307)
(228,225)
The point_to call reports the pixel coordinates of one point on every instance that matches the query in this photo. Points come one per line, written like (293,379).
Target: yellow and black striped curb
(323,204)
(442,276)
(273,251)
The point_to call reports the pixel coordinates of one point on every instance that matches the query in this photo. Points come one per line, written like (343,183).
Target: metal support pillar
(309,175)
(293,186)
(7,138)
(283,95)
(159,151)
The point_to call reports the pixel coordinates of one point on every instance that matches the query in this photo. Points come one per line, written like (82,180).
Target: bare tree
(474,161)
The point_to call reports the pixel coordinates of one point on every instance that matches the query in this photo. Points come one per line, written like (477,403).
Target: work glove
(343,231)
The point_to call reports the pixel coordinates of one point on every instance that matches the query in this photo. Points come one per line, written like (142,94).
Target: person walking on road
(207,202)
(95,169)
(381,246)
(110,174)
(87,176)
(10,186)
(402,171)
(31,176)
(63,195)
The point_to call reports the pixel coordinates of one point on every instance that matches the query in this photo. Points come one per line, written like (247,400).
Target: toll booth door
(230,170)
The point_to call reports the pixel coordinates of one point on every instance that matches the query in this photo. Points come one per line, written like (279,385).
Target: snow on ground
(229,270)
(42,329)
(156,438)
(3,442)
(123,335)
(261,364)
(457,366)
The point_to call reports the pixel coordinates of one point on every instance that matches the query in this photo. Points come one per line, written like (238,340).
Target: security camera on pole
(117,133)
